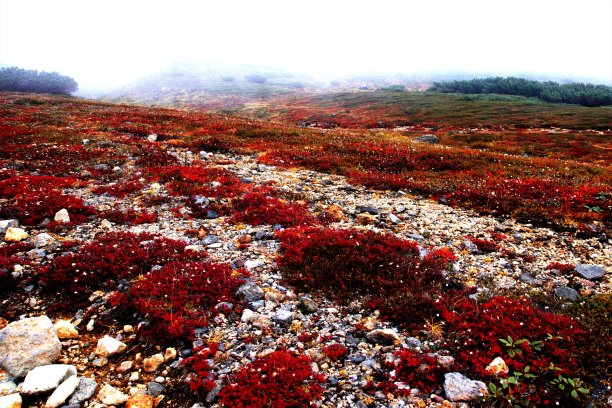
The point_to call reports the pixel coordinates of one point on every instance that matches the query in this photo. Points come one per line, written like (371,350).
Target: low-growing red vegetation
(198,364)
(529,340)
(484,245)
(32,208)
(119,190)
(335,352)
(179,297)
(110,257)
(8,259)
(259,207)
(344,264)
(419,371)
(129,216)
(280,380)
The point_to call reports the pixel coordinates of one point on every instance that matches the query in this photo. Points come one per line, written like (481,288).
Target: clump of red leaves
(562,268)
(347,264)
(280,380)
(32,208)
(200,379)
(420,371)
(129,216)
(180,297)
(196,180)
(544,340)
(262,207)
(335,351)
(484,245)
(119,190)
(27,184)
(110,257)
(8,259)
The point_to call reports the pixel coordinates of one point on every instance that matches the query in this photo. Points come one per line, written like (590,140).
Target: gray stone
(283,317)
(394,218)
(413,342)
(43,240)
(250,292)
(28,343)
(155,389)
(46,378)
(530,280)
(84,391)
(565,292)
(470,246)
(427,138)
(62,392)
(308,305)
(590,271)
(210,239)
(457,387)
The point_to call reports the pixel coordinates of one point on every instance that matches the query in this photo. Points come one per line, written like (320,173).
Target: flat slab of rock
(590,271)
(84,391)
(458,387)
(46,378)
(62,392)
(11,401)
(28,343)
(427,138)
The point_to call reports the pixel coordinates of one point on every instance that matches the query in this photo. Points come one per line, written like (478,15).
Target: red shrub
(180,297)
(8,259)
(107,259)
(563,268)
(25,185)
(129,217)
(197,180)
(257,208)
(279,380)
(348,264)
(540,340)
(151,155)
(335,352)
(200,378)
(420,371)
(119,190)
(33,208)
(484,245)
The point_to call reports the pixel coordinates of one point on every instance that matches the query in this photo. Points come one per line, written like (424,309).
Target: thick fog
(103,44)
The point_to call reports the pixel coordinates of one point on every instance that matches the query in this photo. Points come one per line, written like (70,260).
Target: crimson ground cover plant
(21,185)
(120,189)
(345,264)
(8,259)
(129,216)
(529,340)
(110,257)
(200,379)
(419,371)
(261,207)
(179,297)
(32,208)
(279,380)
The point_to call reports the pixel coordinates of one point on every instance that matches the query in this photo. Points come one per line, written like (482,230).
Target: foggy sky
(107,43)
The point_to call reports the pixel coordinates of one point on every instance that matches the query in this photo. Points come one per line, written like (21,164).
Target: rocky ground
(73,360)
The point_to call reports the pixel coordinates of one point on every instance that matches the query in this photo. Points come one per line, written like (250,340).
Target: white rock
(109,395)
(7,388)
(107,346)
(106,224)
(11,401)
(44,239)
(5,224)
(152,138)
(61,393)
(497,366)
(62,216)
(14,234)
(46,378)
(247,315)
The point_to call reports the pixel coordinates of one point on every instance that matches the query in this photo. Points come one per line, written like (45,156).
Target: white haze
(104,44)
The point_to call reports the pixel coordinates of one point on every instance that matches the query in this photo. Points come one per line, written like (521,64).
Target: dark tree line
(30,80)
(577,93)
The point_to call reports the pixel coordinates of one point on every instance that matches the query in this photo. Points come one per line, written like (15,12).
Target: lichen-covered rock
(152,363)
(109,395)
(140,401)
(85,390)
(14,234)
(65,330)
(497,367)
(590,271)
(28,343)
